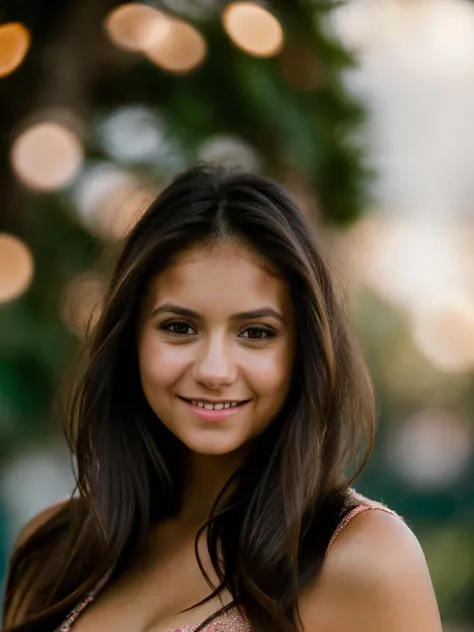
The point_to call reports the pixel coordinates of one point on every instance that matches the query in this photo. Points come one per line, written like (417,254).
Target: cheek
(270,373)
(160,364)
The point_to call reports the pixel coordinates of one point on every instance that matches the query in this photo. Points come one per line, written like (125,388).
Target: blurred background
(362,109)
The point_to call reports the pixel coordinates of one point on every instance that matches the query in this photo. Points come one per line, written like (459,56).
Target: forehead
(226,278)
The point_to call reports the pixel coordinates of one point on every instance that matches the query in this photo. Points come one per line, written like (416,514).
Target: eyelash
(269,331)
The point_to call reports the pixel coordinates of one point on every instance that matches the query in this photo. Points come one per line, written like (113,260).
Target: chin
(213,448)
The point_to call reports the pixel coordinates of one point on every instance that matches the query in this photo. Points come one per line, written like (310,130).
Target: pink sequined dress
(232,620)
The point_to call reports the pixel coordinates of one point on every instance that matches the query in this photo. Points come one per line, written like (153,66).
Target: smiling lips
(214,411)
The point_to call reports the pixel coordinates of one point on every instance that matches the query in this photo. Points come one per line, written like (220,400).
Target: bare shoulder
(38,521)
(374,578)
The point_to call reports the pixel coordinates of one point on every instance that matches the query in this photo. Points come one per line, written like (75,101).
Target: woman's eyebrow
(261,312)
(169,308)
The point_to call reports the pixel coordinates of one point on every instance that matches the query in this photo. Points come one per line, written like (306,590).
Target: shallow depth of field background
(363,109)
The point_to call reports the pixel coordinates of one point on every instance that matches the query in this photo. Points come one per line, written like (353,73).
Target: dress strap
(82,605)
(72,616)
(363,504)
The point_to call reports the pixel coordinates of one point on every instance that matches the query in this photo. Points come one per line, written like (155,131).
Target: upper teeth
(213,406)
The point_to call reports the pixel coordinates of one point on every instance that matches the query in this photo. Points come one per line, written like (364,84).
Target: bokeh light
(132,134)
(253,29)
(409,262)
(136,134)
(122,208)
(134,26)
(81,302)
(229,151)
(180,49)
(110,200)
(46,156)
(14,44)
(95,184)
(431,448)
(16,267)
(413,262)
(445,335)
(424,268)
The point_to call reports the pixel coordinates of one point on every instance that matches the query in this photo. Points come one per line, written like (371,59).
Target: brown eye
(178,328)
(258,333)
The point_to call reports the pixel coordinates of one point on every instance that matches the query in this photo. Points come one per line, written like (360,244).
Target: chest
(151,597)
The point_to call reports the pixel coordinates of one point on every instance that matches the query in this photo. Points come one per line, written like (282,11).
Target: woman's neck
(205,476)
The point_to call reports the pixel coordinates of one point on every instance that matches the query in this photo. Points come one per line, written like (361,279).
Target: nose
(215,366)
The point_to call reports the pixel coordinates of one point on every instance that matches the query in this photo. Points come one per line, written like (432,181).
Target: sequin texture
(72,616)
(231,621)
(365,505)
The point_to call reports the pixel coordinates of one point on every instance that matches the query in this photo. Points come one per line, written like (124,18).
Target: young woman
(222,407)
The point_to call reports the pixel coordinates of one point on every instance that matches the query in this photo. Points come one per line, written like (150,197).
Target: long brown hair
(274,528)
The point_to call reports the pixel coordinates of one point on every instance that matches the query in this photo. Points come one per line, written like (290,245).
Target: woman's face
(216,342)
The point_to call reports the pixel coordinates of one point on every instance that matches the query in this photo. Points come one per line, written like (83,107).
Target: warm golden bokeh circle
(253,28)
(134,26)
(81,302)
(46,156)
(14,44)
(445,335)
(120,210)
(181,49)
(16,267)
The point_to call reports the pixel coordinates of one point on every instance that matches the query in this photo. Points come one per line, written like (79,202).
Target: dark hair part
(288,496)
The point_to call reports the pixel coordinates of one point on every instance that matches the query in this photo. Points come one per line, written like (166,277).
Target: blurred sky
(416,77)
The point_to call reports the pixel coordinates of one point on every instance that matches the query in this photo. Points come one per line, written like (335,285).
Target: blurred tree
(297,128)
